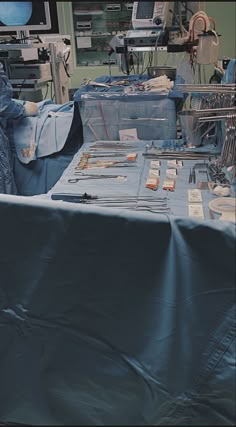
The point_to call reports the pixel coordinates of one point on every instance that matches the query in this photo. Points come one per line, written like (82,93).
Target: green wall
(223,12)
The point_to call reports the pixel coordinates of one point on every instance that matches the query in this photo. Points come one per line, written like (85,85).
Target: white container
(208,48)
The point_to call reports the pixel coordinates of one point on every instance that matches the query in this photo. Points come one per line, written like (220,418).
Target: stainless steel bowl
(162,70)
(191,133)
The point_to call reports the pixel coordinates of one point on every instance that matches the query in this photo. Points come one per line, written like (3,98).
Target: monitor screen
(24,15)
(145,10)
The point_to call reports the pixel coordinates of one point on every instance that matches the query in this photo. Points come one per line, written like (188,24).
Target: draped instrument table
(111,316)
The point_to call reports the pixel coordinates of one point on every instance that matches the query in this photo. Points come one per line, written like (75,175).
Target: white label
(171,163)
(195,211)
(128,135)
(154,173)
(84,42)
(175,164)
(194,196)
(155,164)
(171,173)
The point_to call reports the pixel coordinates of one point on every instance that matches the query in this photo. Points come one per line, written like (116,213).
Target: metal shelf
(104,25)
(29,84)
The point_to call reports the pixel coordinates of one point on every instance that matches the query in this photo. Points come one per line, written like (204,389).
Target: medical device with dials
(148,38)
(151,14)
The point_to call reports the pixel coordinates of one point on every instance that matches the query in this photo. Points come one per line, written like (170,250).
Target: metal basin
(158,71)
(190,128)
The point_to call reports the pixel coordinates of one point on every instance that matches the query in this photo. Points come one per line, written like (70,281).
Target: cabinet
(94,25)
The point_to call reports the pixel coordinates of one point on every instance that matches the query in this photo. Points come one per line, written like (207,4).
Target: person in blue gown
(9,109)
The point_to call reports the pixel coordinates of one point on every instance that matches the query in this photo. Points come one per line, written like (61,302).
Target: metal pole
(54,67)
(215,110)
(217,118)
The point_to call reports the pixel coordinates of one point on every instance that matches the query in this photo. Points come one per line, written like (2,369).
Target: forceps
(84,177)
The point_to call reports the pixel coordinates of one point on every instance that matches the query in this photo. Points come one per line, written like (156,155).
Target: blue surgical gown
(9,109)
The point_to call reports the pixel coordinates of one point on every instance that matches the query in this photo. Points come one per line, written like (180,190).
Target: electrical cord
(132,69)
(175,16)
(149,62)
(18,41)
(137,62)
(39,39)
(204,74)
(51,91)
(66,64)
(65,68)
(21,87)
(123,71)
(46,92)
(7,41)
(178,20)
(143,62)
(199,74)
(157,39)
(68,55)
(215,79)
(13,37)
(186,7)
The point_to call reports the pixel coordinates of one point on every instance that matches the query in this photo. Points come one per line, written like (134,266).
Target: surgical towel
(45,134)
(38,176)
(114,318)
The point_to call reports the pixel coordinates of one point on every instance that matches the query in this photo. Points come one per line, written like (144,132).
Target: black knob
(157,20)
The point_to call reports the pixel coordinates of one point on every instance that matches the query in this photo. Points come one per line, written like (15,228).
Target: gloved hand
(31,109)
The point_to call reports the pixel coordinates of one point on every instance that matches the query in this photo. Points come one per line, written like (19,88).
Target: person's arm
(10,109)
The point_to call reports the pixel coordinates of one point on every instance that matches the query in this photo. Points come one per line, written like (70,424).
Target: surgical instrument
(228,152)
(82,174)
(85,196)
(215,118)
(85,164)
(97,154)
(213,110)
(90,166)
(186,155)
(97,165)
(112,145)
(84,177)
(206,88)
(217,174)
(137,203)
(91,155)
(190,178)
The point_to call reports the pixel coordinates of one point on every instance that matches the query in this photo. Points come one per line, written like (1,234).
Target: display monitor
(151,14)
(145,10)
(24,16)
